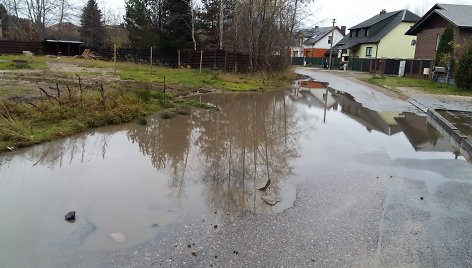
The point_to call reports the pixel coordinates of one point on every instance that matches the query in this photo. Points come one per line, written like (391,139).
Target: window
(366,31)
(344,51)
(357,33)
(350,34)
(368,52)
(329,39)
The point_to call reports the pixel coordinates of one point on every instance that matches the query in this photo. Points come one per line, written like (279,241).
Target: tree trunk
(221,23)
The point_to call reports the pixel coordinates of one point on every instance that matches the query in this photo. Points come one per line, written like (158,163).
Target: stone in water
(119,237)
(271,200)
(70,216)
(263,186)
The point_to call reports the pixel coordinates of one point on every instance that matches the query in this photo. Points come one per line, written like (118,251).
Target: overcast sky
(346,12)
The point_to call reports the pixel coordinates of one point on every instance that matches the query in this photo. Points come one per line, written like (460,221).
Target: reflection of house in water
(422,136)
(380,121)
(313,94)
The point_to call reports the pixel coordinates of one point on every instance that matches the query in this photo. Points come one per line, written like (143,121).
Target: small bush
(463,74)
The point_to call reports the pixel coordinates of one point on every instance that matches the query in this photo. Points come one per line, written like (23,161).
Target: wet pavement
(358,187)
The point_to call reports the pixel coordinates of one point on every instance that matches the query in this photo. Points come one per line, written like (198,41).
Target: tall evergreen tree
(163,24)
(92,30)
(445,46)
(177,27)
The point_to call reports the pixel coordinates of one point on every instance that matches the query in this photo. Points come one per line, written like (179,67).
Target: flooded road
(183,191)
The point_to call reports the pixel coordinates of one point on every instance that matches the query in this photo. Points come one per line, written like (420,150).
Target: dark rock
(194,253)
(271,200)
(421,198)
(142,121)
(70,216)
(216,226)
(264,185)
(189,246)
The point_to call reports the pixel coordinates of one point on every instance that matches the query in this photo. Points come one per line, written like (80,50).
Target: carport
(61,47)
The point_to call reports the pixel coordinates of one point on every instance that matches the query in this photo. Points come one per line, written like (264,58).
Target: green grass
(425,85)
(26,123)
(188,77)
(34,63)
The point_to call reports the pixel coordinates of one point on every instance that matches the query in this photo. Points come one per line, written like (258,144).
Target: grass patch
(34,63)
(207,78)
(64,112)
(425,85)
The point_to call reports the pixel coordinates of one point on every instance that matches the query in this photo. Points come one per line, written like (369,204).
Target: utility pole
(331,47)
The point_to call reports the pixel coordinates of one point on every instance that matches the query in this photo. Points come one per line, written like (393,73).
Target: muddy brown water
(128,183)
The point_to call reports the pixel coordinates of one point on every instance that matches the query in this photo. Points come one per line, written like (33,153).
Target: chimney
(343,30)
(383,12)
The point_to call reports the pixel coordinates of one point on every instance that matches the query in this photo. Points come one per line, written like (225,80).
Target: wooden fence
(215,59)
(413,68)
(17,47)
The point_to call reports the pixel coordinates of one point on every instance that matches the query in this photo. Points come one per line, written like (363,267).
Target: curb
(418,105)
(445,127)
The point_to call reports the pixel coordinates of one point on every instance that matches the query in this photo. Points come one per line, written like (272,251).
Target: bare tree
(193,7)
(41,13)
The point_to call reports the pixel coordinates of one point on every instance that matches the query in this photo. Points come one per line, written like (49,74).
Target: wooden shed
(61,47)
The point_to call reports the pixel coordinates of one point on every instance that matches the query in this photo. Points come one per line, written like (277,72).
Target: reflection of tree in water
(167,143)
(250,140)
(63,152)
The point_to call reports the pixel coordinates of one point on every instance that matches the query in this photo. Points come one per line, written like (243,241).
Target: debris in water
(263,186)
(421,198)
(10,148)
(194,253)
(119,237)
(142,121)
(155,225)
(271,200)
(216,226)
(189,246)
(70,216)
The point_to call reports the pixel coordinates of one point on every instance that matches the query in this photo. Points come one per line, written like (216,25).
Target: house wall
(360,51)
(426,41)
(462,40)
(319,49)
(397,45)
(315,52)
(323,43)
(394,45)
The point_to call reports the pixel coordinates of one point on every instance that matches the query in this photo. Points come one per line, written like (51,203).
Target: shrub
(445,46)
(463,74)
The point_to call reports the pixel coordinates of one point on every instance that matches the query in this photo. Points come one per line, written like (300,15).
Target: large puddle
(129,182)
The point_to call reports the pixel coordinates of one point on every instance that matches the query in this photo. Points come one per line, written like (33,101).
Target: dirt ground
(26,83)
